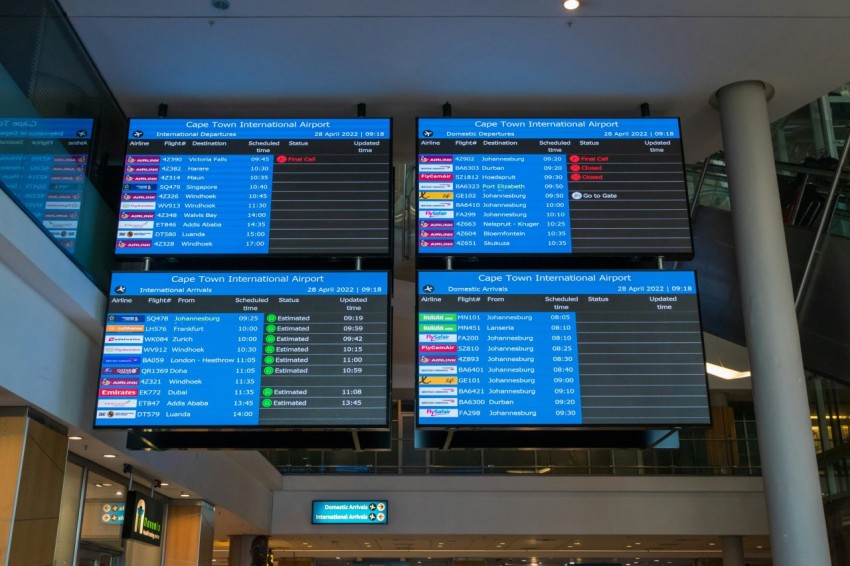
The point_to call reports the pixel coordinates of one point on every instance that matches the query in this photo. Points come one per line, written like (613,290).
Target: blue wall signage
(245,186)
(245,349)
(371,512)
(500,186)
(43,164)
(546,348)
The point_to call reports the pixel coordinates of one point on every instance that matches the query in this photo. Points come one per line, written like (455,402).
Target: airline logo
(436,234)
(436,214)
(135,234)
(435,204)
(436,243)
(124,339)
(438,380)
(435,158)
(436,167)
(125,327)
(436,196)
(438,370)
(141,169)
(63,233)
(63,215)
(121,360)
(437,359)
(123,244)
(436,176)
(138,205)
(136,216)
(429,348)
(60,224)
(125,318)
(436,224)
(122,349)
(140,178)
(119,382)
(65,196)
(138,196)
(438,402)
(139,186)
(62,205)
(117,392)
(109,370)
(438,413)
(135,225)
(142,159)
(117,403)
(111,414)
(436,186)
(442,337)
(438,391)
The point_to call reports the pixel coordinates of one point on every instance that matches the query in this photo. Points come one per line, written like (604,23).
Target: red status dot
(575,167)
(575,177)
(281,159)
(574,159)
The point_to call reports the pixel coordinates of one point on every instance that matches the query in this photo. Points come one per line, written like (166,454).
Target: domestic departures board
(246,349)
(613,187)
(278,187)
(568,349)
(43,163)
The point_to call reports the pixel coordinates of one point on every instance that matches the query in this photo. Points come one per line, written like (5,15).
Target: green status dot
(271,328)
(268,370)
(267,391)
(270,349)
(269,338)
(268,359)
(271,317)
(267,402)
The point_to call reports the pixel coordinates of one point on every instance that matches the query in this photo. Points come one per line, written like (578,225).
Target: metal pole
(825,219)
(700,183)
(792,488)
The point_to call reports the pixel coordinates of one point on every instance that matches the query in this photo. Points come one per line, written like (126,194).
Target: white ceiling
(405,58)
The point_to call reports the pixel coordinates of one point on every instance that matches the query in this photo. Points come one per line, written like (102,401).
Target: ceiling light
(220,4)
(98,485)
(110,456)
(119,493)
(75,438)
(107,484)
(572,4)
(184,494)
(724,372)
(164,484)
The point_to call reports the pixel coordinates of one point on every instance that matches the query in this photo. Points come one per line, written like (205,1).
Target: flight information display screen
(283,186)
(246,349)
(611,187)
(43,163)
(546,348)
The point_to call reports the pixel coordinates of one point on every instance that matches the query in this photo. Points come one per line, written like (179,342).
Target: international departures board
(603,187)
(546,348)
(251,186)
(246,349)
(43,163)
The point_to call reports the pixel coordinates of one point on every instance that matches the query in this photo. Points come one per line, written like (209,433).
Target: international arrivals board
(246,349)
(592,187)
(559,349)
(43,164)
(256,187)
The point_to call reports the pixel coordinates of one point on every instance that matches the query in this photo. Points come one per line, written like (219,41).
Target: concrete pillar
(733,550)
(32,471)
(189,534)
(792,490)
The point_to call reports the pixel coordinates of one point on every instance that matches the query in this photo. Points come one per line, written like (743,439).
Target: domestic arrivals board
(568,349)
(247,186)
(499,186)
(43,164)
(246,349)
